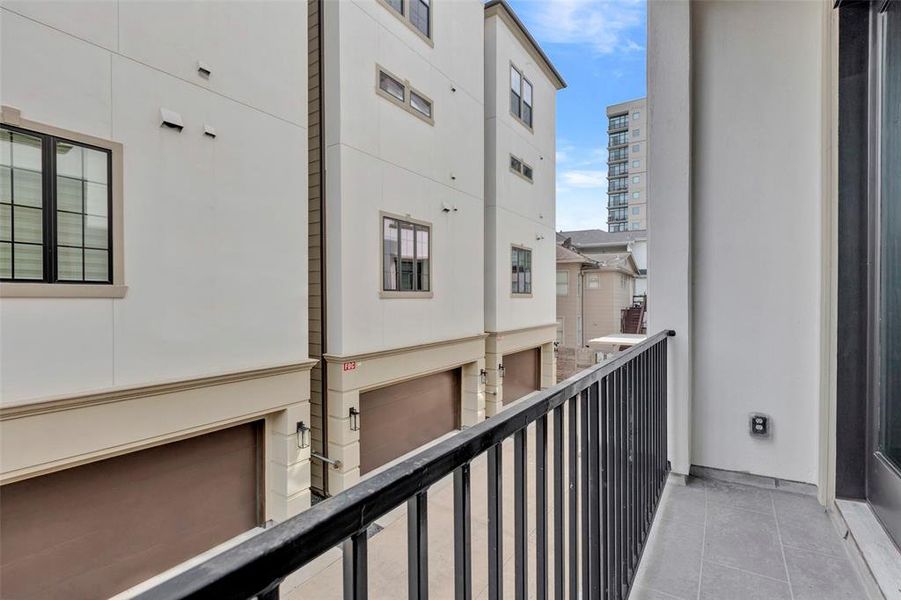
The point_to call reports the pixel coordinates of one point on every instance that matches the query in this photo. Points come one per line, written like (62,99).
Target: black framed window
(55,209)
(406,256)
(419,16)
(521,271)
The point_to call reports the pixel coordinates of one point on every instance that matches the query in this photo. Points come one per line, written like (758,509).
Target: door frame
(883,479)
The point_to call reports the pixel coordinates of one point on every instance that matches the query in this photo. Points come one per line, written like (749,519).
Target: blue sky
(599,48)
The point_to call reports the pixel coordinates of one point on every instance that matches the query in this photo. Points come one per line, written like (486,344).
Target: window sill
(515,295)
(421,295)
(61,290)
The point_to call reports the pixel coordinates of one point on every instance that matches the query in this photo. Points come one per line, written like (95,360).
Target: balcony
(588,462)
(595,515)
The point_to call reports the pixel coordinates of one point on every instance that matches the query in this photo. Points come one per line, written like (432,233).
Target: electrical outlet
(760,425)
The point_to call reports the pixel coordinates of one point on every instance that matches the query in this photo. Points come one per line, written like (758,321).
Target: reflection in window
(405,256)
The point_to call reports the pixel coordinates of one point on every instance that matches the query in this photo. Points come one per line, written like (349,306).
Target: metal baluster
(541,508)
(355,567)
(583,498)
(520,515)
(418,547)
(594,549)
(610,495)
(495,523)
(618,485)
(573,500)
(462,534)
(604,442)
(558,503)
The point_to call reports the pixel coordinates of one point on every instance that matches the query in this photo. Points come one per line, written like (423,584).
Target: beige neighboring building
(627,168)
(591,294)
(521,87)
(153,287)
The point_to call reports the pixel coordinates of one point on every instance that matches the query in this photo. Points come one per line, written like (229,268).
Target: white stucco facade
(735,249)
(215,257)
(381,158)
(210,328)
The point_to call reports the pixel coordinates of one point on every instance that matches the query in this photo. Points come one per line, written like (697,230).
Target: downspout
(323,286)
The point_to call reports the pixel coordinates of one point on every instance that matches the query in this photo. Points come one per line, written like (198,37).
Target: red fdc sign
(350,366)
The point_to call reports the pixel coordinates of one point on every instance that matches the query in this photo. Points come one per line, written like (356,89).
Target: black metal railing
(608,427)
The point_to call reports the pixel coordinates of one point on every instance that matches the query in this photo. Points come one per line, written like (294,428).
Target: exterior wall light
(303,435)
(500,370)
(354,419)
(483,376)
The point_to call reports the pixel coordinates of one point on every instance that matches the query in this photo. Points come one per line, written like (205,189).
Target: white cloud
(583,179)
(605,26)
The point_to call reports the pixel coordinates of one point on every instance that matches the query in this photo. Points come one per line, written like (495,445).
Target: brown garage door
(399,418)
(95,530)
(522,372)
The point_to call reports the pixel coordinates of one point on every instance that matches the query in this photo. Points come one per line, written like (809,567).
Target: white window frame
(404,16)
(522,101)
(565,283)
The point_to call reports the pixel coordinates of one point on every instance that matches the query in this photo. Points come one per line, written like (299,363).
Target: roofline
(502,4)
(619,106)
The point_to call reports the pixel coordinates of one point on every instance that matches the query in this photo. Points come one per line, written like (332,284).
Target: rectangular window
(406,250)
(397,5)
(515,164)
(635,225)
(419,16)
(55,209)
(527,171)
(593,282)
(560,335)
(635,132)
(527,102)
(636,195)
(635,115)
(618,139)
(562,283)
(521,271)
(520,96)
(635,179)
(636,148)
(635,164)
(636,210)
(392,86)
(617,122)
(421,104)
(515,92)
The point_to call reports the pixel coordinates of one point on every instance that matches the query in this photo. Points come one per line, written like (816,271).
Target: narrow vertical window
(527,102)
(521,271)
(397,5)
(21,207)
(419,16)
(391,258)
(515,97)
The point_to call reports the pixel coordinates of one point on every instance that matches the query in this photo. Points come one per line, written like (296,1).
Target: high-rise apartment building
(627,195)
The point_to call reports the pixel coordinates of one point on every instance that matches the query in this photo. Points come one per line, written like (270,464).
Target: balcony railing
(609,469)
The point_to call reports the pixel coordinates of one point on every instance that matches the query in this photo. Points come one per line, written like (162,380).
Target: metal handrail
(257,566)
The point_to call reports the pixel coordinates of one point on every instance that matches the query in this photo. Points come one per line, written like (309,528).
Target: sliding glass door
(884,456)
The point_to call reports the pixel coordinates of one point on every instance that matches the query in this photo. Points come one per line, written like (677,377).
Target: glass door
(884,462)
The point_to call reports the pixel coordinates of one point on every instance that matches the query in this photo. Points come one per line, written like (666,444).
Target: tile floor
(714,540)
(710,540)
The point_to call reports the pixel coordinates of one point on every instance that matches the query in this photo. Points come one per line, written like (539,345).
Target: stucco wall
(379,157)
(518,212)
(753,251)
(215,229)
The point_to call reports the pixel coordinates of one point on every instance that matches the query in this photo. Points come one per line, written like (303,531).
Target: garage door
(399,418)
(95,530)
(522,374)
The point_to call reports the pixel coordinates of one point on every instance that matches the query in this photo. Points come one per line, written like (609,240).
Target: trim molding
(110,395)
(338,358)
(522,330)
